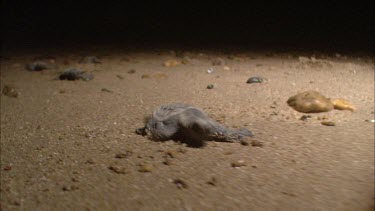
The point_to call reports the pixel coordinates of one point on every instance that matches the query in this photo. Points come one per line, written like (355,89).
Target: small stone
(212,181)
(289,194)
(106,90)
(10,91)
(15,202)
(124,155)
(210,70)
(120,77)
(145,76)
(167,161)
(238,163)
(75,74)
(310,102)
(36,66)
(244,142)
(182,150)
(305,117)
(368,120)
(66,188)
(160,75)
(180,183)
(210,86)
(218,61)
(327,123)
(226,68)
(256,143)
(7,168)
(255,80)
(170,153)
(70,188)
(171,63)
(90,161)
(132,71)
(90,60)
(118,170)
(145,168)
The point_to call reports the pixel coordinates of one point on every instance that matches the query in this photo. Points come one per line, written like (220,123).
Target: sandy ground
(71,145)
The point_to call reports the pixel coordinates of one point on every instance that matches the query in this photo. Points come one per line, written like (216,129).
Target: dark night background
(315,26)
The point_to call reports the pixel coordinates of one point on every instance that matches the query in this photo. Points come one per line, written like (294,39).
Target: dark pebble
(74,74)
(90,59)
(118,170)
(7,168)
(141,131)
(180,183)
(132,71)
(36,66)
(244,142)
(210,86)
(328,123)
(255,80)
(212,181)
(10,91)
(256,143)
(120,77)
(124,155)
(218,61)
(305,117)
(106,90)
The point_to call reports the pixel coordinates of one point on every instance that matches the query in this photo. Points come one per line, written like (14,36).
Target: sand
(71,144)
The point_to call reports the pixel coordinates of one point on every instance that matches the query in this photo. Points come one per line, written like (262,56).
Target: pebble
(132,71)
(305,117)
(212,181)
(118,170)
(124,155)
(120,77)
(256,143)
(210,86)
(10,91)
(210,70)
(368,120)
(36,66)
(180,183)
(90,60)
(70,188)
(244,142)
(255,80)
(218,61)
(327,123)
(7,168)
(106,90)
(226,68)
(238,163)
(167,161)
(145,168)
(74,74)
(145,76)
(171,63)
(90,161)
(170,153)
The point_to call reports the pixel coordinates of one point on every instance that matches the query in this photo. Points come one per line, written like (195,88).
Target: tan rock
(171,63)
(310,102)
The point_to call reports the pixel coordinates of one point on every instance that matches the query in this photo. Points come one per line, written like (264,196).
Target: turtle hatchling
(189,125)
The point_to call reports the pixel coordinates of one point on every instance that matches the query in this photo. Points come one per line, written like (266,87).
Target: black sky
(328,25)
